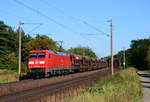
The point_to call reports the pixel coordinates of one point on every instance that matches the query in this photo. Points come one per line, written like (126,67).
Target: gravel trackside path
(145,81)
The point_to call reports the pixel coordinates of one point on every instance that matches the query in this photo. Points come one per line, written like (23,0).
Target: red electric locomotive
(45,62)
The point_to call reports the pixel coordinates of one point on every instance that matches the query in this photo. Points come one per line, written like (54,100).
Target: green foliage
(120,56)
(137,55)
(42,42)
(6,39)
(147,59)
(94,89)
(124,86)
(9,61)
(83,51)
(9,40)
(9,47)
(139,50)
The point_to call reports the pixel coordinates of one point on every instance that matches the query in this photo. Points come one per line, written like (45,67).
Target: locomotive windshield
(37,55)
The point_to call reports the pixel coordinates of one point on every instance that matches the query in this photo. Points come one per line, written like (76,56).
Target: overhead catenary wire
(54,21)
(83,35)
(75,18)
(40,24)
(59,10)
(45,16)
(14,15)
(95,28)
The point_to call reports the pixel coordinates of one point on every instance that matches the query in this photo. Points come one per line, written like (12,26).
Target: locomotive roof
(60,53)
(36,51)
(50,51)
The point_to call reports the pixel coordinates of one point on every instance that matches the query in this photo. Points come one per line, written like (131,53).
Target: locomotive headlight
(31,62)
(42,62)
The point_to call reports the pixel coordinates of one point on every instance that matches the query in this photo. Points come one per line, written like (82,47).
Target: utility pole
(19,32)
(124,58)
(111,46)
(19,63)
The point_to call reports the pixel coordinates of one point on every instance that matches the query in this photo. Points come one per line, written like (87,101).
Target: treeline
(83,51)
(9,47)
(138,55)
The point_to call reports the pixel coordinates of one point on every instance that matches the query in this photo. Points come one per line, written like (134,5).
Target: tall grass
(8,76)
(124,86)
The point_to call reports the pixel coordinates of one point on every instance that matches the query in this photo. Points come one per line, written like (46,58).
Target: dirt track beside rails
(29,84)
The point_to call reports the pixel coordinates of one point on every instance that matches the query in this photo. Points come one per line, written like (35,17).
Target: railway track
(29,84)
(36,93)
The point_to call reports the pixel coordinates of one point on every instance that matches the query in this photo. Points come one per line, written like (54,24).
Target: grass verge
(124,86)
(8,76)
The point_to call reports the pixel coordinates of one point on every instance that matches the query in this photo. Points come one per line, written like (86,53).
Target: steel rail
(34,94)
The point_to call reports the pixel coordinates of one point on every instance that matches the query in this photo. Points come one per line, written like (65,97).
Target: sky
(81,22)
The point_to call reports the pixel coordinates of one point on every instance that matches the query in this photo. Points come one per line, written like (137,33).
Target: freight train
(43,63)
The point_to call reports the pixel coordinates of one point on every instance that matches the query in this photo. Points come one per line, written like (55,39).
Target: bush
(9,61)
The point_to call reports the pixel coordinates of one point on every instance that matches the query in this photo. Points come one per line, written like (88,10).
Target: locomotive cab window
(41,55)
(37,55)
(33,55)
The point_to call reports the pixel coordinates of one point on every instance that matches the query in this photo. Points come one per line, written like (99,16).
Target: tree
(6,39)
(138,52)
(137,55)
(42,42)
(83,51)
(9,45)
(9,61)
(148,58)
(120,56)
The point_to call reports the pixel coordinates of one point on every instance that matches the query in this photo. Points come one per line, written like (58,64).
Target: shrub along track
(33,90)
